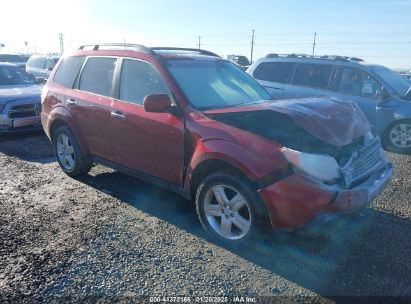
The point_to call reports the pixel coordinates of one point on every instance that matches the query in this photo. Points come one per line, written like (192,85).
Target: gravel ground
(108,237)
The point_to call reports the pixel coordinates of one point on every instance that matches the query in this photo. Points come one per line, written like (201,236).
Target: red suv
(196,124)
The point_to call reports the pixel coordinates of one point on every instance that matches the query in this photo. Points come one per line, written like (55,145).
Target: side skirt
(142,176)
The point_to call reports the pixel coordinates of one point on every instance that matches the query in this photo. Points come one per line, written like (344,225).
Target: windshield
(13,75)
(215,84)
(399,84)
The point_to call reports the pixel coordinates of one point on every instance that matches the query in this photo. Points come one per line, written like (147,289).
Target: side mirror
(382,94)
(41,80)
(157,103)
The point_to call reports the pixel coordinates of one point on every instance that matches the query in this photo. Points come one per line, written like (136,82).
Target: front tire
(69,156)
(230,210)
(397,137)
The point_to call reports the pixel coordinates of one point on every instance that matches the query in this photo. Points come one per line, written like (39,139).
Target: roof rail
(332,57)
(115,46)
(202,52)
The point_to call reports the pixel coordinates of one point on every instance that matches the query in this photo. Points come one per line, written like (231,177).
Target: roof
(330,59)
(156,51)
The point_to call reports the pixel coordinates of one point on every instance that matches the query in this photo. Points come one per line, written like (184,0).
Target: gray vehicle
(20,105)
(19,60)
(40,66)
(383,95)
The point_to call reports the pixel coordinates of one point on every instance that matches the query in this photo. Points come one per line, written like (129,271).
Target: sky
(377,31)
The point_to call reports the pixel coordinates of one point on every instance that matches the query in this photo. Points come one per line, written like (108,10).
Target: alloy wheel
(65,152)
(400,136)
(227,212)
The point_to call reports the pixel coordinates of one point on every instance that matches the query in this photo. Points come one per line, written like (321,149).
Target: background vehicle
(19,100)
(242,61)
(41,65)
(383,95)
(18,60)
(152,113)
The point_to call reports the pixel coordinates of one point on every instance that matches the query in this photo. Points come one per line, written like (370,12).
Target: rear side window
(139,79)
(97,76)
(67,71)
(36,62)
(274,71)
(313,75)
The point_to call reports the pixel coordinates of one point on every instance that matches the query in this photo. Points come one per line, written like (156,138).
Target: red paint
(158,144)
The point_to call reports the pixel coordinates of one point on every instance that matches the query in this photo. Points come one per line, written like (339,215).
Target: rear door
(273,76)
(151,143)
(90,105)
(359,86)
(310,80)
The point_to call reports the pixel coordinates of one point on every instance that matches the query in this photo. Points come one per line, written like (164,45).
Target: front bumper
(9,125)
(297,200)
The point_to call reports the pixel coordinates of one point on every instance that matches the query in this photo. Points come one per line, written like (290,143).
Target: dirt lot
(109,236)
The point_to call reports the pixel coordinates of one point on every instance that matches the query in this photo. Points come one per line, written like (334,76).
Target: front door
(151,143)
(359,86)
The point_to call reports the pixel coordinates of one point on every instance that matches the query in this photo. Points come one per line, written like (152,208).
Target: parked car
(18,60)
(383,95)
(40,66)
(20,105)
(196,124)
(241,61)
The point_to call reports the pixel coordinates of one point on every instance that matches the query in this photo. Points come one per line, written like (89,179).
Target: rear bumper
(297,200)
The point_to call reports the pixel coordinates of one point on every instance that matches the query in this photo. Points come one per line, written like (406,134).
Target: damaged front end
(339,166)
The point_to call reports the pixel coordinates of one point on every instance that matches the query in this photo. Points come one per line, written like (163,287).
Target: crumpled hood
(12,93)
(336,122)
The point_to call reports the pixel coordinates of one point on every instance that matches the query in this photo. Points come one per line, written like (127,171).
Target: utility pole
(315,36)
(252,46)
(27,47)
(199,42)
(61,38)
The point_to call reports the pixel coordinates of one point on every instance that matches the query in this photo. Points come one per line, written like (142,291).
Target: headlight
(322,167)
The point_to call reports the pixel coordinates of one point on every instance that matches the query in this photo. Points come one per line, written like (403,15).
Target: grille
(363,162)
(26,110)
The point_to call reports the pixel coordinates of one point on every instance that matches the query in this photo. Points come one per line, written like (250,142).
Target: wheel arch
(209,166)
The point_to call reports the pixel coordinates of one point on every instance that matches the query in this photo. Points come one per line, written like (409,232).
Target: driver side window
(139,79)
(353,81)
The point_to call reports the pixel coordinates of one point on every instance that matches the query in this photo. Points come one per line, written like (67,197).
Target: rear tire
(69,156)
(231,211)
(397,137)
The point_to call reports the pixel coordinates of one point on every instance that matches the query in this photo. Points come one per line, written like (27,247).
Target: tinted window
(97,76)
(12,75)
(139,79)
(68,70)
(353,81)
(313,75)
(274,71)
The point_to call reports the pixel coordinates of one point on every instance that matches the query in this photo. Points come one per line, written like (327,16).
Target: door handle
(118,115)
(71,102)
